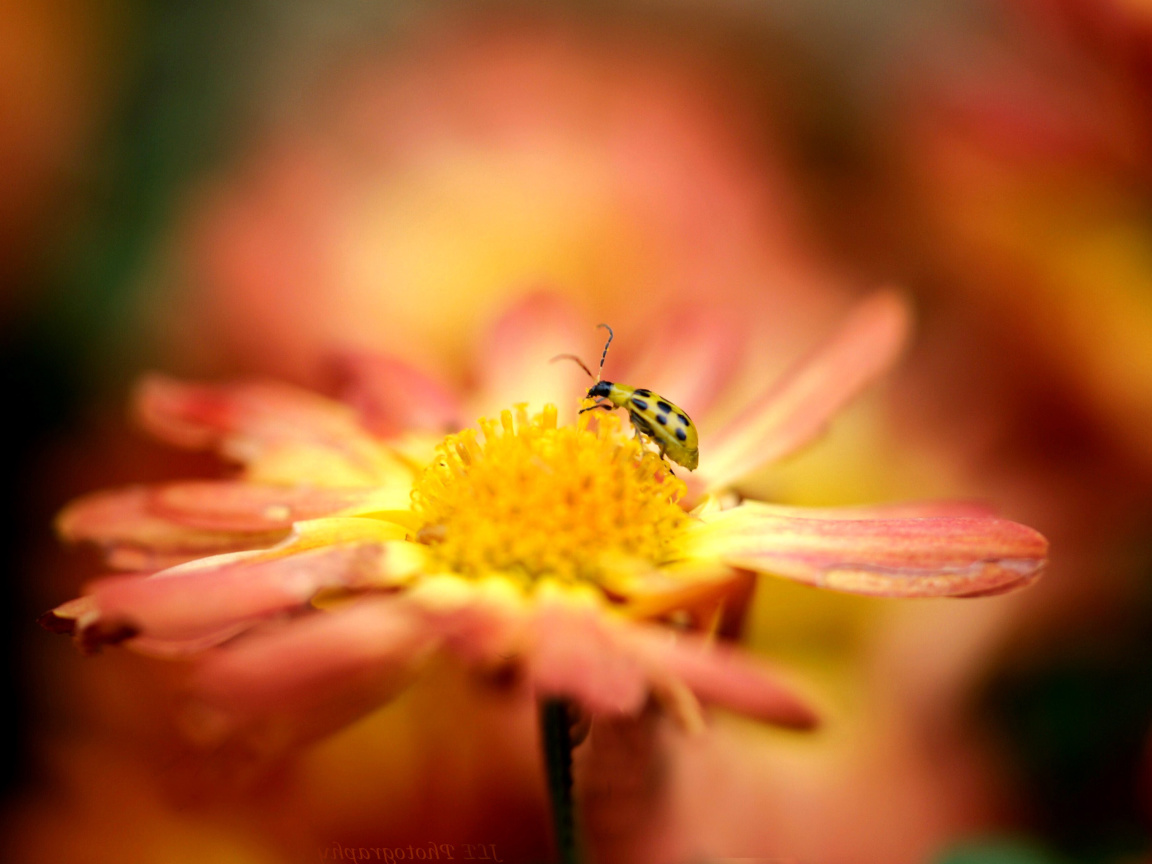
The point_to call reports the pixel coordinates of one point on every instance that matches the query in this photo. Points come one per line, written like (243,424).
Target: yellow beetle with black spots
(653,416)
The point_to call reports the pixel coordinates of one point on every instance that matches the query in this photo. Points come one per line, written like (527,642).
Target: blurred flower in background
(403,196)
(278,182)
(1015,167)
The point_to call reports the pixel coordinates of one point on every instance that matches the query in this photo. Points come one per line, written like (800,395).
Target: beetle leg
(607,406)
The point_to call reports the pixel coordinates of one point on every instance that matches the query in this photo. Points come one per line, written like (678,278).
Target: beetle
(653,416)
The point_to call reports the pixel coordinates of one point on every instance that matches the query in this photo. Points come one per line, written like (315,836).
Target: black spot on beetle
(682,418)
(643,392)
(640,403)
(663,406)
(681,434)
(662,419)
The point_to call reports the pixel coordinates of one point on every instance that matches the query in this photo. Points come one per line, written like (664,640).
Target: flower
(321,579)
(428,184)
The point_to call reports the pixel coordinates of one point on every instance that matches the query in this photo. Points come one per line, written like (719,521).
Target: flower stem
(557,741)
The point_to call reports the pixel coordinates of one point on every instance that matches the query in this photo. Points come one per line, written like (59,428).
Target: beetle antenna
(575,359)
(604,356)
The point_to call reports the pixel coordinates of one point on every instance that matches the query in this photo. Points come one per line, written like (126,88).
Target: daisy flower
(541,546)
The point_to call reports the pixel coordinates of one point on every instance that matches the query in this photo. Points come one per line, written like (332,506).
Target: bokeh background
(239,188)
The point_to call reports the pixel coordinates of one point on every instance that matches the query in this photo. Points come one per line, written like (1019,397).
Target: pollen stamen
(528,498)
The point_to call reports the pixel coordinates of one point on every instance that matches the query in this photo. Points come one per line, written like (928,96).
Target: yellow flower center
(530,499)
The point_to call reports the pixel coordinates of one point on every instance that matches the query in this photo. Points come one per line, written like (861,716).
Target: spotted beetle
(652,415)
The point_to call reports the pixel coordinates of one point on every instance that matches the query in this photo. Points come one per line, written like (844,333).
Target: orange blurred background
(221,189)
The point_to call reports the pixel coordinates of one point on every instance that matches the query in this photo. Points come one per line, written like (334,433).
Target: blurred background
(230,188)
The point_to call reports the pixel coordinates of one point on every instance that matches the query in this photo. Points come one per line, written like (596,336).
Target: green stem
(557,741)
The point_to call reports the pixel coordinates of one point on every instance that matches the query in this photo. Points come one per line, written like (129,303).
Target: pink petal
(515,363)
(794,410)
(134,537)
(185,605)
(887,510)
(321,671)
(200,416)
(246,421)
(393,397)
(722,676)
(62,620)
(174,649)
(1004,588)
(214,505)
(579,654)
(80,619)
(701,589)
(691,355)
(917,557)
(482,632)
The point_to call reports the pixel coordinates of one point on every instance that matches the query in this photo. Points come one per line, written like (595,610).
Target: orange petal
(719,675)
(481,620)
(795,409)
(176,649)
(135,537)
(321,671)
(184,605)
(320,533)
(916,557)
(514,362)
(888,510)
(81,619)
(254,422)
(214,505)
(393,397)
(653,592)
(578,653)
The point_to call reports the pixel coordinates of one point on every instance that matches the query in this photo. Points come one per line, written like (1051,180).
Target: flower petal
(691,354)
(579,653)
(887,510)
(305,536)
(180,607)
(321,672)
(652,592)
(515,363)
(282,433)
(719,675)
(482,620)
(795,409)
(135,537)
(213,505)
(910,557)
(80,619)
(190,607)
(393,397)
